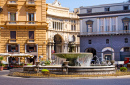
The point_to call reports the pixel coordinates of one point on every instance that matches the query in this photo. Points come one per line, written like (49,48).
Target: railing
(12,40)
(30,2)
(23,23)
(106,32)
(31,40)
(12,3)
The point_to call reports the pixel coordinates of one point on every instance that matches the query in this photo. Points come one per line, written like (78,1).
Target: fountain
(76,63)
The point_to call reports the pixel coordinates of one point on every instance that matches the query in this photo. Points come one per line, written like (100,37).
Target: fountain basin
(75,69)
(76,59)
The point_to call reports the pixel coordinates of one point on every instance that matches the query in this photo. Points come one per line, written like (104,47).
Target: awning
(16,55)
(21,55)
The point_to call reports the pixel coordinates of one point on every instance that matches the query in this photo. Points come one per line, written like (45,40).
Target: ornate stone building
(23,29)
(63,28)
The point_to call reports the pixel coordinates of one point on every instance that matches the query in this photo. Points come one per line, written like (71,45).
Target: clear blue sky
(77,3)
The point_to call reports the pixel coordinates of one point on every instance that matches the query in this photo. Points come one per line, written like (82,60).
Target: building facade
(63,28)
(23,29)
(105,30)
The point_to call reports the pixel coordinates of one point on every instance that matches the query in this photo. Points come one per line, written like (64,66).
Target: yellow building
(23,29)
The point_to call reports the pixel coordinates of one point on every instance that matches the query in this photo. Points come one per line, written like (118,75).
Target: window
(74,27)
(107,9)
(12,17)
(89,26)
(126,40)
(126,26)
(126,49)
(126,7)
(89,10)
(12,48)
(31,36)
(13,36)
(31,48)
(71,27)
(57,25)
(73,38)
(102,25)
(107,24)
(114,24)
(107,41)
(89,42)
(31,18)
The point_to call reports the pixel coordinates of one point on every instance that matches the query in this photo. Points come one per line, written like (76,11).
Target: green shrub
(1,64)
(47,62)
(1,58)
(123,69)
(45,71)
(29,64)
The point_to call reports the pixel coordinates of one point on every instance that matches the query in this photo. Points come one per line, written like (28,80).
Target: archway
(57,43)
(91,50)
(108,53)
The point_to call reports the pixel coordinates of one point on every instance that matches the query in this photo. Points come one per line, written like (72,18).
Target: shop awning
(16,55)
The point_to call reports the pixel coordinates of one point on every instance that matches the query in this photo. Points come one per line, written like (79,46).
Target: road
(5,80)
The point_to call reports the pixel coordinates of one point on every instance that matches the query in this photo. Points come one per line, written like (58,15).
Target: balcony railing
(12,3)
(106,32)
(12,40)
(24,23)
(31,41)
(30,3)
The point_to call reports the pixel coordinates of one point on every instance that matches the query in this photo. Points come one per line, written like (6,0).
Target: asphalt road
(4,80)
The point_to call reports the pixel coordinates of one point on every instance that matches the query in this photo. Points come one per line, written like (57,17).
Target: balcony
(105,33)
(12,41)
(30,3)
(24,23)
(12,3)
(31,41)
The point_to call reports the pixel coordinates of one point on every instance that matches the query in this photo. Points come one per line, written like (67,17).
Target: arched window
(126,40)
(107,41)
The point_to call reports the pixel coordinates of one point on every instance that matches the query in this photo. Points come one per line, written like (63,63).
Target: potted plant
(47,62)
(1,64)
(45,72)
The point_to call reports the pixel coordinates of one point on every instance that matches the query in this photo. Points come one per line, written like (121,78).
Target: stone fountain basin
(72,55)
(75,69)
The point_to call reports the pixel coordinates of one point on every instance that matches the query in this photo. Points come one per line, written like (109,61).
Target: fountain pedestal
(65,67)
(36,69)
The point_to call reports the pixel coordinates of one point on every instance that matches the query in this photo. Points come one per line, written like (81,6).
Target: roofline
(105,5)
(104,13)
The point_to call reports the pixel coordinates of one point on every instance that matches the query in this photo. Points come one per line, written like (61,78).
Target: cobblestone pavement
(31,81)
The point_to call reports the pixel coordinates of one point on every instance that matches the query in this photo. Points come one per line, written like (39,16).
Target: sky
(78,3)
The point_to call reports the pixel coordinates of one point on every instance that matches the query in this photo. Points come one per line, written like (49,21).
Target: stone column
(76,49)
(65,47)
(49,54)
(79,49)
(52,46)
